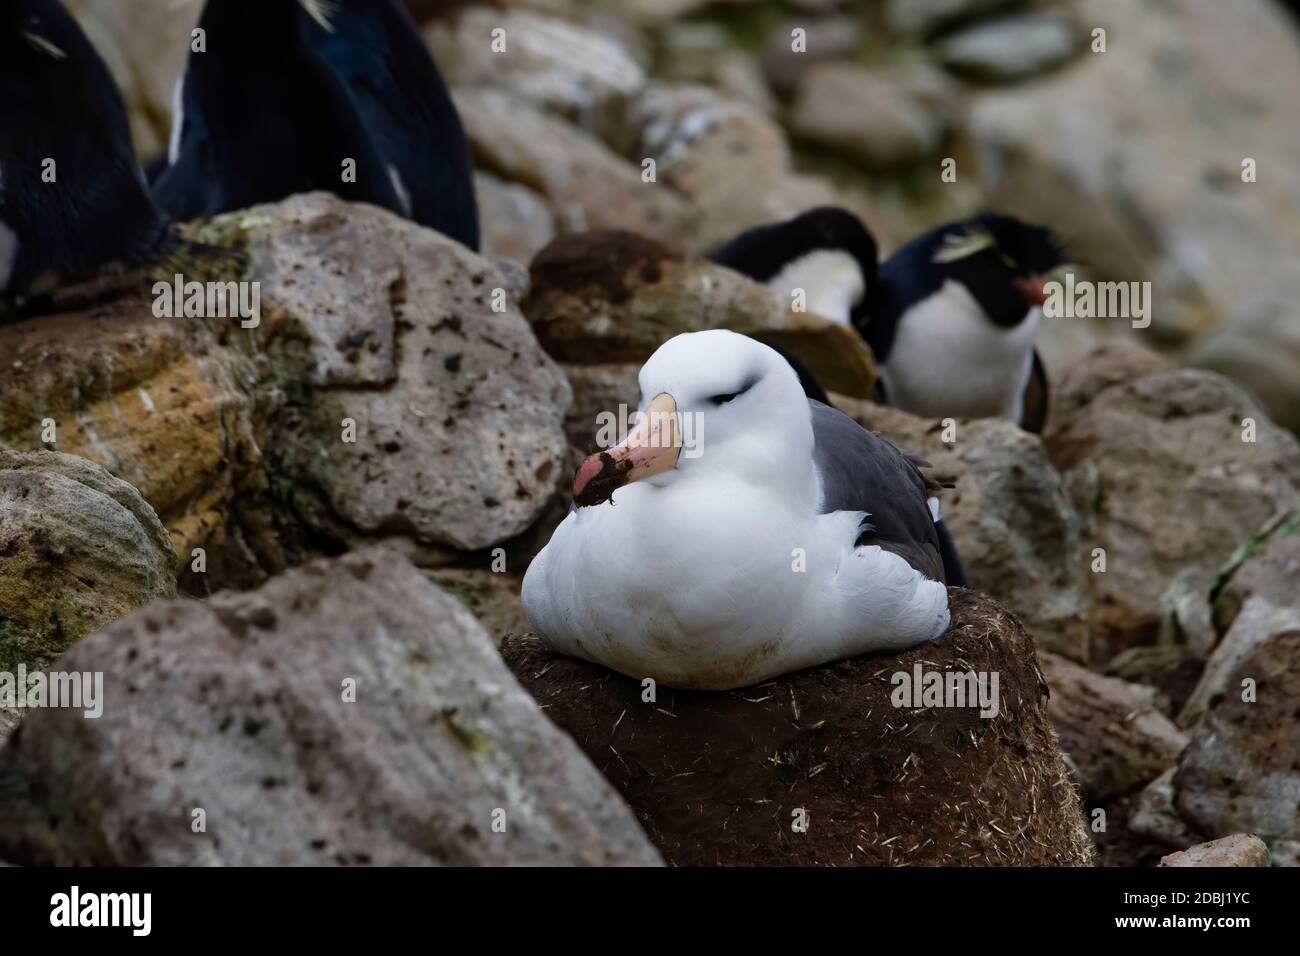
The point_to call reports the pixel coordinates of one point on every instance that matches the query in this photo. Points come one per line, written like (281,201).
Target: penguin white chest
(830,281)
(949,359)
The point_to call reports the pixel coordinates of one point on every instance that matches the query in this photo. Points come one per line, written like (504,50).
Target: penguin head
(1000,260)
(36,37)
(827,253)
(46,63)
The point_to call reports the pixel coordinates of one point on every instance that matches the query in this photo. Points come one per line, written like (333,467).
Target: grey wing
(860,471)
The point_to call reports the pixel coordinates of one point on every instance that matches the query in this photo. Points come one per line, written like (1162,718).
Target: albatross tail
(953,571)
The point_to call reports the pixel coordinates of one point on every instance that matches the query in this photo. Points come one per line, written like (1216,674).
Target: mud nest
(726,778)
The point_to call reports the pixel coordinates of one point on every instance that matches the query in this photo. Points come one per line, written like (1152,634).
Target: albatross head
(712,403)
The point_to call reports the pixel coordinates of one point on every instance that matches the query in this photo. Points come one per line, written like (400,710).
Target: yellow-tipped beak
(651,448)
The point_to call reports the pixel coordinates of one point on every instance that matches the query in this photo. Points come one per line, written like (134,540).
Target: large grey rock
(882,116)
(238,707)
(588,185)
(458,413)
(1241,770)
(1157,465)
(1117,143)
(78,549)
(1115,741)
(1014,527)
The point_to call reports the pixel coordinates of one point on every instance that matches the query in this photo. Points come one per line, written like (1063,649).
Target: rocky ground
(351,491)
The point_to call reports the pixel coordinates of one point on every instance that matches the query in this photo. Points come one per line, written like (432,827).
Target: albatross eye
(729,396)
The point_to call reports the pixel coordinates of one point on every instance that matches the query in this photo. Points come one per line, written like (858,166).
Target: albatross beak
(649,449)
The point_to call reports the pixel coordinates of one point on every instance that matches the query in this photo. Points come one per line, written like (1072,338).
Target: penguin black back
(376,49)
(72,195)
(263,118)
(767,252)
(991,255)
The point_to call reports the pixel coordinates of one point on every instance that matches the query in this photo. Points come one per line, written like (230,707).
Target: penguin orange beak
(651,448)
(1033,290)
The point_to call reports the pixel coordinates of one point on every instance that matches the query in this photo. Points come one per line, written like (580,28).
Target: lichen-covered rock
(349,712)
(611,297)
(1267,567)
(1204,606)
(1162,471)
(78,549)
(1115,741)
(588,185)
(1014,527)
(409,395)
(159,403)
(1240,849)
(727,778)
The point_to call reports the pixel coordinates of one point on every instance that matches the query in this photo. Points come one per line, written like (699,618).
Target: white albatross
(786,536)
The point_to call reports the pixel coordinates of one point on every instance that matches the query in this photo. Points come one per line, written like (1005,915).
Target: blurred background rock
(1133,154)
